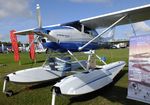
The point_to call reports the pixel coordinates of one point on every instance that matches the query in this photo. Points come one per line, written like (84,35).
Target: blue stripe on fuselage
(72,46)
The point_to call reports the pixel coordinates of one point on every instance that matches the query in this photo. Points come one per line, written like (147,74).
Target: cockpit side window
(75,24)
(90,31)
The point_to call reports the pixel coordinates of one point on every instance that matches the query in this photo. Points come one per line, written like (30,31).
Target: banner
(15,45)
(32,49)
(139,69)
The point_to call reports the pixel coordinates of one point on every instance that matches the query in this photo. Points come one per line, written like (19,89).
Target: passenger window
(91,32)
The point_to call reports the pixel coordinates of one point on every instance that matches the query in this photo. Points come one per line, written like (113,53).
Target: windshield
(77,25)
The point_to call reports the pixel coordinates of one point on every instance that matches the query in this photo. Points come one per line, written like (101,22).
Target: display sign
(139,69)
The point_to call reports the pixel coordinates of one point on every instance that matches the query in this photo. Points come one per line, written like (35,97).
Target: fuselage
(70,38)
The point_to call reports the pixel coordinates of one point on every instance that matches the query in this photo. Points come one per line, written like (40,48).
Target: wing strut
(134,32)
(37,37)
(111,26)
(77,60)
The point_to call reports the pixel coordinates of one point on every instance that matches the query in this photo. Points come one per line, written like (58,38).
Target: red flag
(14,45)
(32,49)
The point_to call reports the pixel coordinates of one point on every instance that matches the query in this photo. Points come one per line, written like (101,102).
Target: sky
(21,14)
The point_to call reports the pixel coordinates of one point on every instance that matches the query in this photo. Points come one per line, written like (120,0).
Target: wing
(25,32)
(133,15)
(36,30)
(40,32)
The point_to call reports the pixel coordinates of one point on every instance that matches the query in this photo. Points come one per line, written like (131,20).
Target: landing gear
(7,92)
(53,97)
(91,65)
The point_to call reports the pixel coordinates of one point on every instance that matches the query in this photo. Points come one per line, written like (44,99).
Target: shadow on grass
(44,84)
(37,86)
(110,92)
(41,61)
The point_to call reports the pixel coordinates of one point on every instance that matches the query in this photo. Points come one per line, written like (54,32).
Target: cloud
(90,1)
(14,8)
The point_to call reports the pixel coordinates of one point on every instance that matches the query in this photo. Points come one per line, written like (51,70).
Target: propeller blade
(39,19)
(39,32)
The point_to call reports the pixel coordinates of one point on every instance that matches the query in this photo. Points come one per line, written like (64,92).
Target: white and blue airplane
(81,35)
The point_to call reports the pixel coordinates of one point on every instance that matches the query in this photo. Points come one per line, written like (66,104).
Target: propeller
(39,32)
(39,20)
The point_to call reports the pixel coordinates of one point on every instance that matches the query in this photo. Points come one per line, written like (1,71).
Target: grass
(114,94)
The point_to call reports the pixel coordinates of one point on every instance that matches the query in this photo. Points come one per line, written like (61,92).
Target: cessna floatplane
(78,36)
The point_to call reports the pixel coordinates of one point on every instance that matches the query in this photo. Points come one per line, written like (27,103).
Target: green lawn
(114,94)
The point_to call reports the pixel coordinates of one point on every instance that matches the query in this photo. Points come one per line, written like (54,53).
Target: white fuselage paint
(70,35)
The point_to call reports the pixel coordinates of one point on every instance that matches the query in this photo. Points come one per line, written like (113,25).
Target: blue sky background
(21,14)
